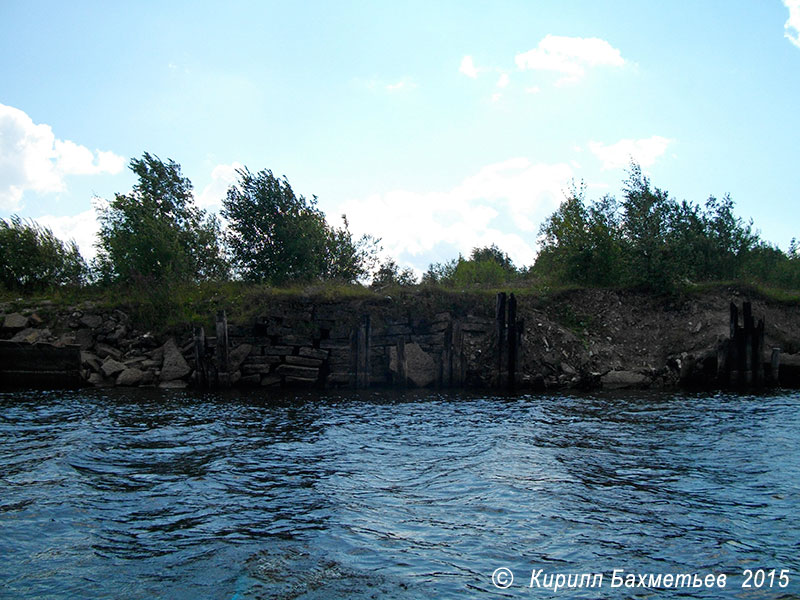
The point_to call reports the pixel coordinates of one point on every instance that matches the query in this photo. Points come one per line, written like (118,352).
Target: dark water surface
(143,494)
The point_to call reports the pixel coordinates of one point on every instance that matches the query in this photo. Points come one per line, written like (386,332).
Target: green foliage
(441,272)
(646,220)
(278,237)
(349,260)
(156,232)
(32,258)
(651,241)
(389,274)
(580,243)
(488,266)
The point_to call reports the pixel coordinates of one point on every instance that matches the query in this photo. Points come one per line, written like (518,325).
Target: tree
(277,237)
(488,265)
(390,274)
(156,232)
(580,243)
(32,258)
(646,227)
(349,259)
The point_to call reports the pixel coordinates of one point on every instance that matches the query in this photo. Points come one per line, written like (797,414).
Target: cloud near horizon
(32,158)
(570,56)
(412,223)
(618,155)
(222,177)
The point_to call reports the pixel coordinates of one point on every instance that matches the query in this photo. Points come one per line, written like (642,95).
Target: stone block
(249,380)
(175,365)
(314,353)
(130,377)
(277,350)
(297,371)
(303,361)
(104,351)
(111,367)
(15,321)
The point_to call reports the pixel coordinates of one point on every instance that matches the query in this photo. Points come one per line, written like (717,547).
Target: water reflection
(145,493)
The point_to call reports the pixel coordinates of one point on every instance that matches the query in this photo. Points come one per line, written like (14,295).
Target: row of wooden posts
(740,361)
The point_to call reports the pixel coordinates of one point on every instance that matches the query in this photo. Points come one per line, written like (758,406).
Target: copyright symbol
(502,578)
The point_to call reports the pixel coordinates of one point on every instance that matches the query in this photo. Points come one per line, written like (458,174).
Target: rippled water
(143,494)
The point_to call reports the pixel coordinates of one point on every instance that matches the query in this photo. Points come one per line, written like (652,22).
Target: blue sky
(436,126)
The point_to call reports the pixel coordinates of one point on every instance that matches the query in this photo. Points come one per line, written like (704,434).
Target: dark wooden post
(512,340)
(402,367)
(200,366)
(734,354)
(747,311)
(223,375)
(500,319)
(362,353)
(758,353)
(775,366)
(457,355)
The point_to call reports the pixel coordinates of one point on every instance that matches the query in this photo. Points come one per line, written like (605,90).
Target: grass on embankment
(174,306)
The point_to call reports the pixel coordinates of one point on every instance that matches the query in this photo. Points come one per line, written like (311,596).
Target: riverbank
(589,338)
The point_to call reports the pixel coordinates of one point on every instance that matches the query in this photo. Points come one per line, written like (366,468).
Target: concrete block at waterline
(270,380)
(340,378)
(238,355)
(421,368)
(91,360)
(104,351)
(614,380)
(175,384)
(249,380)
(314,353)
(97,380)
(256,369)
(277,350)
(175,365)
(303,361)
(307,373)
(130,377)
(111,367)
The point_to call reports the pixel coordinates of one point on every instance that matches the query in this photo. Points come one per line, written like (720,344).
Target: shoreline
(579,339)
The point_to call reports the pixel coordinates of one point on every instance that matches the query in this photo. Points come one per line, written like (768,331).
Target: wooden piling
(361,353)
(512,341)
(458,364)
(500,321)
(775,366)
(221,353)
(200,364)
(402,366)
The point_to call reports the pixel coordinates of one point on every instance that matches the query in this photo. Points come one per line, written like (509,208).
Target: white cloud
(403,85)
(569,56)
(501,204)
(793,22)
(32,158)
(503,81)
(222,177)
(644,151)
(82,228)
(468,67)
(535,89)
